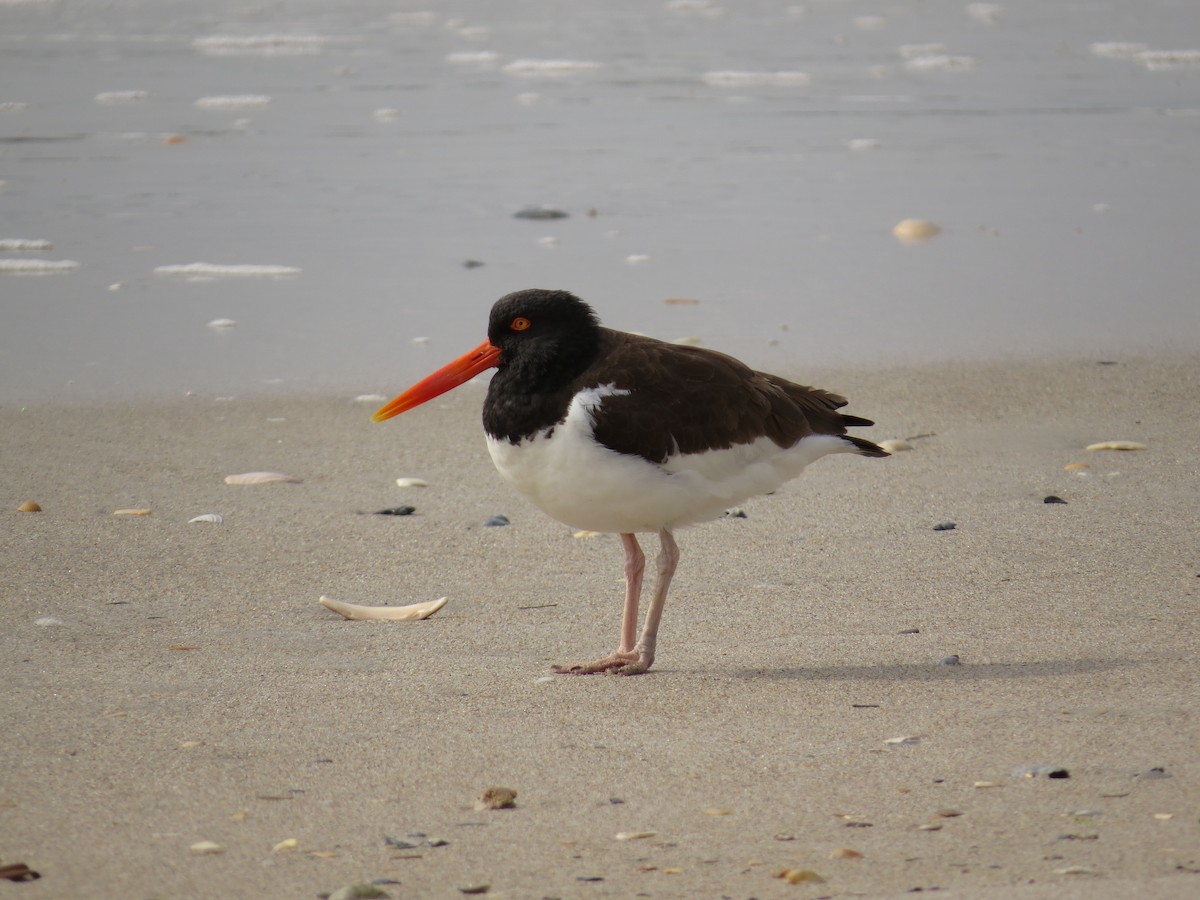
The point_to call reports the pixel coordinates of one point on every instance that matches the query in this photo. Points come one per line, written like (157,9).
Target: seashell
(362,613)
(215,518)
(209,847)
(132,512)
(913,231)
(587,534)
(1117,445)
(718,812)
(1076,467)
(930,826)
(634,835)
(902,741)
(798,876)
(987,784)
(895,445)
(844,853)
(285,845)
(222,323)
(411,482)
(29,506)
(261,478)
(496,798)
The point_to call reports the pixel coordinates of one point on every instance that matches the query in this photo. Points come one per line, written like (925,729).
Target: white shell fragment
(1117,445)
(215,518)
(913,231)
(634,835)
(113,98)
(132,512)
(261,478)
(903,741)
(390,613)
(217,270)
(894,445)
(207,847)
(411,482)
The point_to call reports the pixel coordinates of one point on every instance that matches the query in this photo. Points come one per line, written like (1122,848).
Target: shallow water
(399,139)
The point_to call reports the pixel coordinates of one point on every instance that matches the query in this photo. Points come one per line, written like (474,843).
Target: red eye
(520,323)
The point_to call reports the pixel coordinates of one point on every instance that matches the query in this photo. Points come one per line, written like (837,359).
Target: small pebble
(987,784)
(496,521)
(945,526)
(1076,467)
(539,213)
(207,847)
(411,482)
(844,853)
(472,889)
(1054,499)
(496,798)
(909,631)
(718,812)
(222,323)
(287,845)
(952,660)
(29,506)
(396,511)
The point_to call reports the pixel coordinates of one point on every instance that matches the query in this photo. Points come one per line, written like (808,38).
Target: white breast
(572,478)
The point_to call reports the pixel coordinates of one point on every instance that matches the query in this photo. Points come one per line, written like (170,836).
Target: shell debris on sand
(207,847)
(29,506)
(262,478)
(214,518)
(914,231)
(894,445)
(132,512)
(1117,445)
(496,798)
(357,612)
(412,482)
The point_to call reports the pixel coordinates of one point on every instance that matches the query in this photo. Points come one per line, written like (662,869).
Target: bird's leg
(636,659)
(668,559)
(635,566)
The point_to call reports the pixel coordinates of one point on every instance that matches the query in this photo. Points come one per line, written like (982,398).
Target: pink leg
(630,658)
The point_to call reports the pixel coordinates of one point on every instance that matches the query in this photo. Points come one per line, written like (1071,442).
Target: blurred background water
(751,156)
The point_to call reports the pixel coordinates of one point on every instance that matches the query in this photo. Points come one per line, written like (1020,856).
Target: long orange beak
(449,376)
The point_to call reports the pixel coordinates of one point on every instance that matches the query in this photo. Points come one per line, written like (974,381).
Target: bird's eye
(520,323)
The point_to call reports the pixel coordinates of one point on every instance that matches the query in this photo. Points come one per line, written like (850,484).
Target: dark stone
(496,521)
(539,212)
(945,526)
(396,511)
(1053,499)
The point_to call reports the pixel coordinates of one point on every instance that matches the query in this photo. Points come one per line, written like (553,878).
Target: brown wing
(689,399)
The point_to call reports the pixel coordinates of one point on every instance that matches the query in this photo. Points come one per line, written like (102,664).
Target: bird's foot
(632,663)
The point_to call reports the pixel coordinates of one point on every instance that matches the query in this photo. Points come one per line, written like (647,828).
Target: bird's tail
(862,446)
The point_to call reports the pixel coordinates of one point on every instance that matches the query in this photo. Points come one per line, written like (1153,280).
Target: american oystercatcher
(615,432)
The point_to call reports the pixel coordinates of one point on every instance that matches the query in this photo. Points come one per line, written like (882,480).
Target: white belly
(585,485)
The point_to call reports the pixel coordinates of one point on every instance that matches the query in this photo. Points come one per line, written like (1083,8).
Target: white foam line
(218,270)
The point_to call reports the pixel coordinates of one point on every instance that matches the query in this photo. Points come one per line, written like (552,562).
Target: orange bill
(449,376)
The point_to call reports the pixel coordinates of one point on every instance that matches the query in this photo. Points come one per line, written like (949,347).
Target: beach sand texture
(167,683)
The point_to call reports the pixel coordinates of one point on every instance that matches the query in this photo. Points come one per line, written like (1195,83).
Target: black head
(546,338)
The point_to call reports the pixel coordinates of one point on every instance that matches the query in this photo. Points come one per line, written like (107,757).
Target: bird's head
(537,335)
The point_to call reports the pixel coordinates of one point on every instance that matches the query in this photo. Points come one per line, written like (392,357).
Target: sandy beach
(168,683)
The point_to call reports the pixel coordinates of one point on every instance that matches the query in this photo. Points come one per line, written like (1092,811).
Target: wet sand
(194,690)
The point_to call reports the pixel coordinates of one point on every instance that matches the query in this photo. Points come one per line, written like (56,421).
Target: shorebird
(614,432)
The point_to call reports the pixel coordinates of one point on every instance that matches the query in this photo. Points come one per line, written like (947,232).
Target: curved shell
(358,612)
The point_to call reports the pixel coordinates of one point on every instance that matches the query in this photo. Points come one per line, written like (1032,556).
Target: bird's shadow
(989,671)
